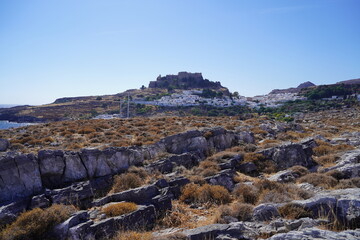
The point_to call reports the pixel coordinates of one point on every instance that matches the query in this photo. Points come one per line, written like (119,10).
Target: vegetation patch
(213,194)
(118,209)
(35,223)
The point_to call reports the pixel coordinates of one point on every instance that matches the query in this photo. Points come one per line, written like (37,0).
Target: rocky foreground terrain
(198,178)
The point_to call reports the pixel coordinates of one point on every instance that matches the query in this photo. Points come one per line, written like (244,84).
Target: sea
(7,124)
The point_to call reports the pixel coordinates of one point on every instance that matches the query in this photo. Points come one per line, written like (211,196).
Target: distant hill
(293,90)
(349,82)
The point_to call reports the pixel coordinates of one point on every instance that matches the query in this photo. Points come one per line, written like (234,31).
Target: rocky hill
(293,90)
(184,80)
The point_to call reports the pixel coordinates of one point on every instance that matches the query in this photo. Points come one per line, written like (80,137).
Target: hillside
(183,178)
(293,90)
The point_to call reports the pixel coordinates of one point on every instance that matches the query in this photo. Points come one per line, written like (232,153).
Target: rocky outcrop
(79,227)
(315,233)
(167,165)
(348,164)
(291,154)
(28,175)
(341,205)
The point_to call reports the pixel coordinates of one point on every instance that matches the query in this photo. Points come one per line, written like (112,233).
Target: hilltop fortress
(184,80)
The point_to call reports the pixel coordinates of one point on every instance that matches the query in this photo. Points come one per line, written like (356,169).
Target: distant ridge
(293,90)
(349,82)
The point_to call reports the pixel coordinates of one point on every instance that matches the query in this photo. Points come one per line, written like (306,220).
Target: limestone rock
(315,233)
(4,144)
(39,201)
(8,213)
(291,154)
(223,178)
(265,212)
(19,177)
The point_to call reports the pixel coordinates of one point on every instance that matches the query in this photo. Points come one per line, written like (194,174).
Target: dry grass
(348,183)
(293,211)
(275,192)
(325,148)
(212,194)
(35,223)
(126,181)
(132,235)
(246,194)
(73,135)
(240,211)
(319,180)
(118,209)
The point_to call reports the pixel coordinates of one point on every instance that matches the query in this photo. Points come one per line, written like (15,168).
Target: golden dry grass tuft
(126,181)
(212,194)
(117,209)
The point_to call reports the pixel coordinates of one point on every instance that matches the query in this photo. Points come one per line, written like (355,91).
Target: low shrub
(336,174)
(327,160)
(194,193)
(252,157)
(35,223)
(208,168)
(126,181)
(240,211)
(246,194)
(177,216)
(118,209)
(299,170)
(319,180)
(349,183)
(293,211)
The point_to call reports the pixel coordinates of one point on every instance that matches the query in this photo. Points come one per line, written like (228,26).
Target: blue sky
(51,49)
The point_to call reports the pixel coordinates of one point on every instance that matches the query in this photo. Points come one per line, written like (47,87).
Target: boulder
(142,219)
(79,194)
(342,205)
(8,213)
(232,163)
(223,178)
(61,231)
(348,164)
(4,144)
(291,154)
(52,166)
(74,168)
(248,168)
(176,185)
(285,176)
(246,137)
(141,195)
(265,212)
(19,177)
(39,201)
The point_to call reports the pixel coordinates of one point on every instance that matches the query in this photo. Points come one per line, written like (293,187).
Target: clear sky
(51,49)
